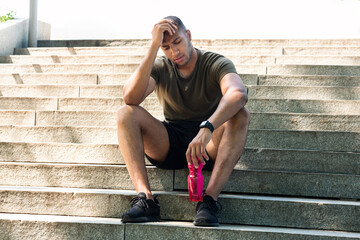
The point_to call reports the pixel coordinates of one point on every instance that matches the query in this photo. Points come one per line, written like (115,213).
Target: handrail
(33,22)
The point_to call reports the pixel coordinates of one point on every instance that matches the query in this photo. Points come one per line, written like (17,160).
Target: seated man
(203,99)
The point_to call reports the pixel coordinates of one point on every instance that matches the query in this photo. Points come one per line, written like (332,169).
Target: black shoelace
(213,206)
(141,202)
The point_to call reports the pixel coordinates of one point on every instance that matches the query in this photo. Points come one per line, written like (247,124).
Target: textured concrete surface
(331,50)
(302,92)
(79,176)
(17,117)
(348,107)
(206,42)
(181,230)
(283,183)
(44,227)
(48,78)
(102,104)
(319,60)
(306,80)
(68,68)
(310,161)
(303,121)
(311,140)
(284,121)
(314,70)
(39,91)
(14,103)
(255,210)
(252,158)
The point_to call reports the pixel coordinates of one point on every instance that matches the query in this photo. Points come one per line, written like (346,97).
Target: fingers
(196,153)
(166,26)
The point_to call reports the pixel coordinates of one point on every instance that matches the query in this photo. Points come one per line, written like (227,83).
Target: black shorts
(181,133)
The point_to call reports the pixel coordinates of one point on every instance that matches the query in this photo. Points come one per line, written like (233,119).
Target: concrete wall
(14,34)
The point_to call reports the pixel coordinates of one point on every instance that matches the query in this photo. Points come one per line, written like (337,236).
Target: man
(203,100)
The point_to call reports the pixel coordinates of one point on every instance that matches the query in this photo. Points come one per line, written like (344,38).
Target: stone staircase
(62,175)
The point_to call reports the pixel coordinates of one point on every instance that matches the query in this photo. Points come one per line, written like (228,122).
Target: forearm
(229,105)
(136,86)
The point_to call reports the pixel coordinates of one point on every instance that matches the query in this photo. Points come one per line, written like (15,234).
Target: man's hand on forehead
(160,28)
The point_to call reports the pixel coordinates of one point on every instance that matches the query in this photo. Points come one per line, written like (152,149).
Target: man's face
(177,47)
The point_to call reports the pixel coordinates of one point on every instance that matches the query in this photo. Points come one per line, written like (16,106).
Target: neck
(187,69)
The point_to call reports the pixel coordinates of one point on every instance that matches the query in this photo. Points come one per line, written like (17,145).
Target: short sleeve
(223,66)
(155,72)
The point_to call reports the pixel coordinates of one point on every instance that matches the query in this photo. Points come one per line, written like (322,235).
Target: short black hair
(177,21)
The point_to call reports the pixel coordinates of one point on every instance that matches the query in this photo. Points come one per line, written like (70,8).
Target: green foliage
(7,16)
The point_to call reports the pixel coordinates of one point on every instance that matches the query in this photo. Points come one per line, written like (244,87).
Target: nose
(174,50)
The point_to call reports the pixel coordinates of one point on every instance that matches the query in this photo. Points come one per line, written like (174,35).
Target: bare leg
(139,132)
(226,147)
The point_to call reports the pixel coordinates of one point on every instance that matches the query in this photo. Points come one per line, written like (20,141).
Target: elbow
(241,97)
(129,99)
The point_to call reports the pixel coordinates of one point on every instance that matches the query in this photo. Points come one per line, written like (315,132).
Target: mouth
(179,59)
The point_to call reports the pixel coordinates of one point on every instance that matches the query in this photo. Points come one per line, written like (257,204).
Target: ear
(188,33)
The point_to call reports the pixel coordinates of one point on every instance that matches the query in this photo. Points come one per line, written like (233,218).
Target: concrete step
(44,227)
(70,104)
(116,91)
(136,59)
(311,161)
(344,186)
(122,59)
(342,107)
(80,176)
(203,42)
(305,121)
(318,60)
(225,50)
(16,103)
(286,121)
(56,78)
(105,68)
(21,90)
(284,139)
(83,79)
(255,210)
(308,80)
(288,42)
(304,92)
(68,68)
(280,69)
(347,107)
(324,185)
(331,50)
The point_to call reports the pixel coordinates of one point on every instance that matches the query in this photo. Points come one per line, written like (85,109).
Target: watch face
(203,124)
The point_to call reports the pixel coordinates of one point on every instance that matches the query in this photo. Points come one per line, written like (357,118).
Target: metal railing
(33,22)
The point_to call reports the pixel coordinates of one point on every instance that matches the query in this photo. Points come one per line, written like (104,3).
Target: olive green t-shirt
(196,97)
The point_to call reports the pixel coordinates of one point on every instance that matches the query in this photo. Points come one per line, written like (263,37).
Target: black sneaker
(206,212)
(142,210)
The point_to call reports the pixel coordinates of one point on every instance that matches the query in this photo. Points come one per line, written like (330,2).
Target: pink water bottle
(195,183)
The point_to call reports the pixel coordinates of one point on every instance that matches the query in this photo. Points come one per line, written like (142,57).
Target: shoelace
(213,205)
(141,202)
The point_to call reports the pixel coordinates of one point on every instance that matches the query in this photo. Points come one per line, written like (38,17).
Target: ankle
(148,194)
(215,197)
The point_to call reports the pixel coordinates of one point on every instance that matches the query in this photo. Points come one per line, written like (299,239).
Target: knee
(125,114)
(242,118)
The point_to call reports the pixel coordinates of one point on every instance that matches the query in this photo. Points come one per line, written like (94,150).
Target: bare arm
(140,84)
(234,98)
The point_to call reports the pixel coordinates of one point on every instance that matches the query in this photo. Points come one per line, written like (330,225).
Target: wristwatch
(207,124)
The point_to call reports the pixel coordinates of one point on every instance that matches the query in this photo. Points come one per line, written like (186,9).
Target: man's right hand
(160,28)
